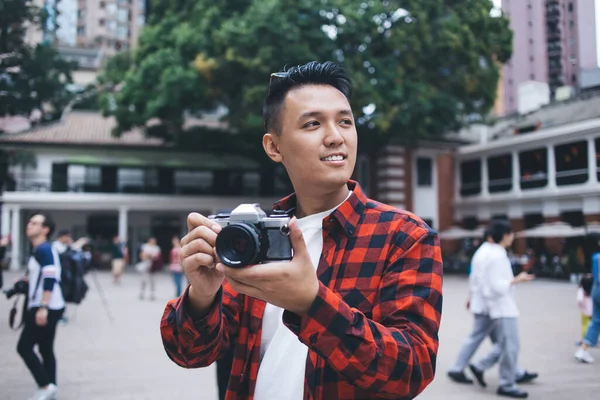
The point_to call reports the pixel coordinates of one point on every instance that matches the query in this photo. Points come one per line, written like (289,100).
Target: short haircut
(498,229)
(48,223)
(63,232)
(312,73)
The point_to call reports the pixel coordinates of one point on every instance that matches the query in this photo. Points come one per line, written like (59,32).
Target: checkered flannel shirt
(372,331)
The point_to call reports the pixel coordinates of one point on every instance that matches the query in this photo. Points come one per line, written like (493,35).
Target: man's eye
(347,121)
(311,124)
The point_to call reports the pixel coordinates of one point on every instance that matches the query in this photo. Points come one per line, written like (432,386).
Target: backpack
(72,283)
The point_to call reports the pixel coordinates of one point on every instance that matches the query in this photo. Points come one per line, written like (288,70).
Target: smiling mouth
(334,158)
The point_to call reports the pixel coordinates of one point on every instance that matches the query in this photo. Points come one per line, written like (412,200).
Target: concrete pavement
(125,360)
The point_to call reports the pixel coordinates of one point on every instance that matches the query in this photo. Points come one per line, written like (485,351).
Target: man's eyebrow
(308,114)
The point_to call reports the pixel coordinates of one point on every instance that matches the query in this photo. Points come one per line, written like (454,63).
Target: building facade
(553,42)
(544,167)
(99,186)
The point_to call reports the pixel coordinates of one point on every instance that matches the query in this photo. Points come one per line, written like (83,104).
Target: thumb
(296,237)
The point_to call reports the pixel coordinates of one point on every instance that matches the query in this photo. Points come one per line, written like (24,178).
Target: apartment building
(554,42)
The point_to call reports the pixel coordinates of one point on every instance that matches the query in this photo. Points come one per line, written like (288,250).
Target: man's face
(35,227)
(508,239)
(318,137)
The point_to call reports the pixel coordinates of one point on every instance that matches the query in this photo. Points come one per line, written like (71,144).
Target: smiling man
(355,314)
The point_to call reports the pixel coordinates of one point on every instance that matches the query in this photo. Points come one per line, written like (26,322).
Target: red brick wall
(445,181)
(520,244)
(592,218)
(408,178)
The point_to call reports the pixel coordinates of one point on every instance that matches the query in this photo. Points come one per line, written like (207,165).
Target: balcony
(234,184)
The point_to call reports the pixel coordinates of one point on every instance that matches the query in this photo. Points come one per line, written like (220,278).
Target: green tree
(420,67)
(31,77)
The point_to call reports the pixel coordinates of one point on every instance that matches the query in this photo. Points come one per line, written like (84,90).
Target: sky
(498,3)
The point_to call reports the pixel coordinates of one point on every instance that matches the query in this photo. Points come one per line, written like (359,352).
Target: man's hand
(198,258)
(41,317)
(291,285)
(523,277)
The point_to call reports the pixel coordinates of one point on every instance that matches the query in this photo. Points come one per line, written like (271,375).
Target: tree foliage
(31,77)
(419,67)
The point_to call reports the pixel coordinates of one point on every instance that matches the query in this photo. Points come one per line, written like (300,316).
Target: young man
(496,290)
(483,325)
(45,308)
(365,325)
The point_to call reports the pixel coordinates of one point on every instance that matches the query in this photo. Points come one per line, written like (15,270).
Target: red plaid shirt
(372,331)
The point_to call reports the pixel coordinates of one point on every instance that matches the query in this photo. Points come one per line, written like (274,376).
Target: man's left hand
(291,285)
(41,317)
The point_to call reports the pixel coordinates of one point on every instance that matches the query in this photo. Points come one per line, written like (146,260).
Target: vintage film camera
(20,287)
(251,237)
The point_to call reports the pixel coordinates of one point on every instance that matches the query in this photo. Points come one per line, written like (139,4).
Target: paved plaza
(101,360)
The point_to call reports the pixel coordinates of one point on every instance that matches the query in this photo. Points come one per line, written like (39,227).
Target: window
(424,172)
(571,7)
(571,163)
(102,5)
(532,77)
(470,178)
(101,22)
(533,168)
(597,142)
(500,173)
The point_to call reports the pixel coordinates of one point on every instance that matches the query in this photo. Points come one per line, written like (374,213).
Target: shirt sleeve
(198,343)
(49,270)
(44,256)
(393,353)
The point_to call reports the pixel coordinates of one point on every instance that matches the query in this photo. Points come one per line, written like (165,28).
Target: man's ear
(271,145)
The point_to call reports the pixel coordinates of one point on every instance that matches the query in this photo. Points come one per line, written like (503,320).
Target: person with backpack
(46,306)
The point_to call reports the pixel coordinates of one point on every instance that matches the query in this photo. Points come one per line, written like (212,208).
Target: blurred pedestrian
(593,331)
(175,265)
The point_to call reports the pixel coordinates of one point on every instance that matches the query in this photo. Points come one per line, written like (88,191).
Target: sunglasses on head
(275,76)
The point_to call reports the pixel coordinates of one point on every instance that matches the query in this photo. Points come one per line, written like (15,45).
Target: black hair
(48,223)
(312,73)
(586,283)
(498,229)
(63,232)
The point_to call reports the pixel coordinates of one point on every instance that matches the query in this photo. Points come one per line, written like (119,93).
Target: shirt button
(314,337)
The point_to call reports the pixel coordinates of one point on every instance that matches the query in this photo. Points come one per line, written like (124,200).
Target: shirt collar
(348,214)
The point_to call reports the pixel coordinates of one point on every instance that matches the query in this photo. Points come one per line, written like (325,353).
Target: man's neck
(309,203)
(35,242)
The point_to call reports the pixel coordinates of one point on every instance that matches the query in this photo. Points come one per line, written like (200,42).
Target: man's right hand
(523,277)
(198,259)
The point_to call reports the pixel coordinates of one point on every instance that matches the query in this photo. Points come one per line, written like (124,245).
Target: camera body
(20,287)
(251,237)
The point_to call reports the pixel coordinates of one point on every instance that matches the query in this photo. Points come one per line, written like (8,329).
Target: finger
(194,220)
(244,288)
(255,273)
(296,237)
(196,246)
(198,260)
(200,232)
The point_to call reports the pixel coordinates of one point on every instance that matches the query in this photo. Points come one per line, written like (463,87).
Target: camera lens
(239,245)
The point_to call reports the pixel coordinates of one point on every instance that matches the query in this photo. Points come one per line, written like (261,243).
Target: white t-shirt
(283,355)
(44,257)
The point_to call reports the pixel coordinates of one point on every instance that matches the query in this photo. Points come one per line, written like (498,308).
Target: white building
(541,167)
(98,186)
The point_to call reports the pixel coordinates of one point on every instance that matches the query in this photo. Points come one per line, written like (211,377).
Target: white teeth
(333,158)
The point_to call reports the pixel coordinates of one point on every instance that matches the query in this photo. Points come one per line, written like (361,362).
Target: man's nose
(333,138)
